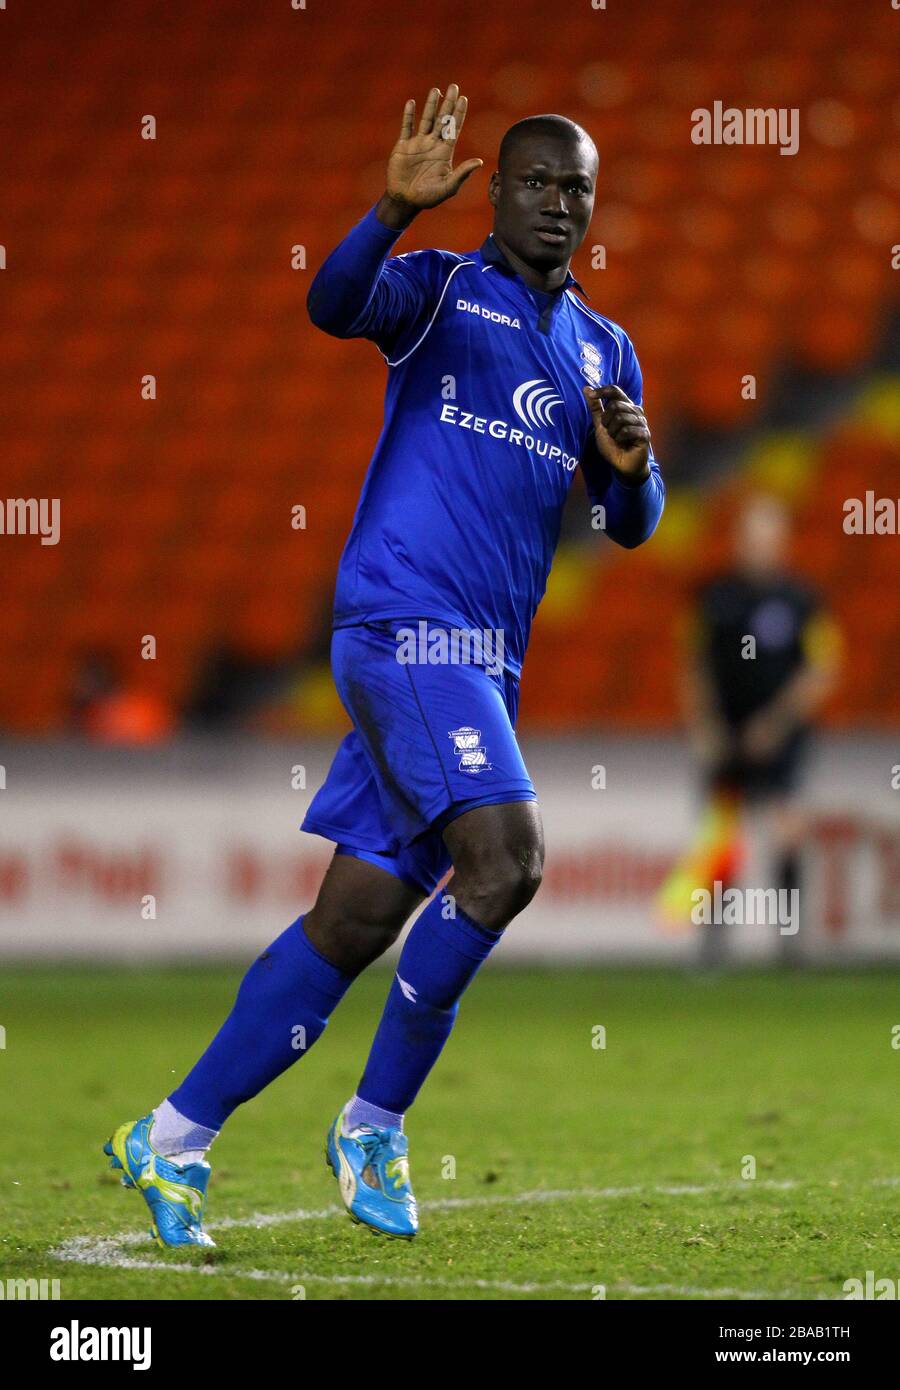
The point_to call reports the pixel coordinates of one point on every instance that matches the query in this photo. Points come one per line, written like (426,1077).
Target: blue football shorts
(428,743)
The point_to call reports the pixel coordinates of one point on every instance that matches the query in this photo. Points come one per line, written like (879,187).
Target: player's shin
(439,959)
(282,1007)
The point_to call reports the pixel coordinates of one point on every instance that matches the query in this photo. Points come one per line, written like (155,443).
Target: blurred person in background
(763,658)
(105,708)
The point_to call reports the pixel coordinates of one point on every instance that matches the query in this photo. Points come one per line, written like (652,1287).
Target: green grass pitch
(634,1152)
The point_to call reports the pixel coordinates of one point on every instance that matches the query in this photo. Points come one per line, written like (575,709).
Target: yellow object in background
(716,855)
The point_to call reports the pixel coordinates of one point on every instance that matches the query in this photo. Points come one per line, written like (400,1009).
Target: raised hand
(420,171)
(621,431)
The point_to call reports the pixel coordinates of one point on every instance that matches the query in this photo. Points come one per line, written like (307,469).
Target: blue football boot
(174,1194)
(372,1170)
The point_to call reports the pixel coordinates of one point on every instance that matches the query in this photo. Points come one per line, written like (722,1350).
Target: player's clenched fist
(621,431)
(420,171)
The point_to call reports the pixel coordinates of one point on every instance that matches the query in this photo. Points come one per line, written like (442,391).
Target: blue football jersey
(485,424)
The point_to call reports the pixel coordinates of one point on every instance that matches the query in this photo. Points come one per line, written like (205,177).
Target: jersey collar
(491,253)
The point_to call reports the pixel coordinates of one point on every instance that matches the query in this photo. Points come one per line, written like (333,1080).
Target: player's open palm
(420,170)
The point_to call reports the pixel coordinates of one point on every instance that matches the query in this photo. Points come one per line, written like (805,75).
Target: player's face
(543,199)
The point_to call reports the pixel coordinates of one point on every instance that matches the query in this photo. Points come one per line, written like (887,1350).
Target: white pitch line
(494,1199)
(261,1220)
(107,1252)
(87,1251)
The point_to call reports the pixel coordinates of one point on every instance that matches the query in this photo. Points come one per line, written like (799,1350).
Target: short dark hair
(558,127)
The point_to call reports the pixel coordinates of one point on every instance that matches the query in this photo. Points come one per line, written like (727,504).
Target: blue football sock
(281,1008)
(437,962)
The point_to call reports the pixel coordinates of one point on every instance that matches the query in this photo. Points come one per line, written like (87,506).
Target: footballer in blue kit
(501,383)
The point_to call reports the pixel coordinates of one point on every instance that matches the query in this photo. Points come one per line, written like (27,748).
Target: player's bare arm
(420,172)
(621,431)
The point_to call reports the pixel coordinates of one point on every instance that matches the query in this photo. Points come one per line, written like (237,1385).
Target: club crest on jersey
(467,746)
(591,363)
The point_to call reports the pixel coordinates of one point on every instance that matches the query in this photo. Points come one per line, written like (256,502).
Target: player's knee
(380,921)
(498,856)
(501,888)
(353,939)
(379,932)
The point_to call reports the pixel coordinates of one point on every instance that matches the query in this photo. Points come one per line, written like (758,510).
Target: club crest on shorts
(467,746)
(591,363)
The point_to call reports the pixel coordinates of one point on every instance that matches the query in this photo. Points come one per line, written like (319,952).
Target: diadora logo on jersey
(591,363)
(534,402)
(467,746)
(469,308)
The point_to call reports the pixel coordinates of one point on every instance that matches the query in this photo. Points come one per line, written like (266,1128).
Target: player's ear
(494,188)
